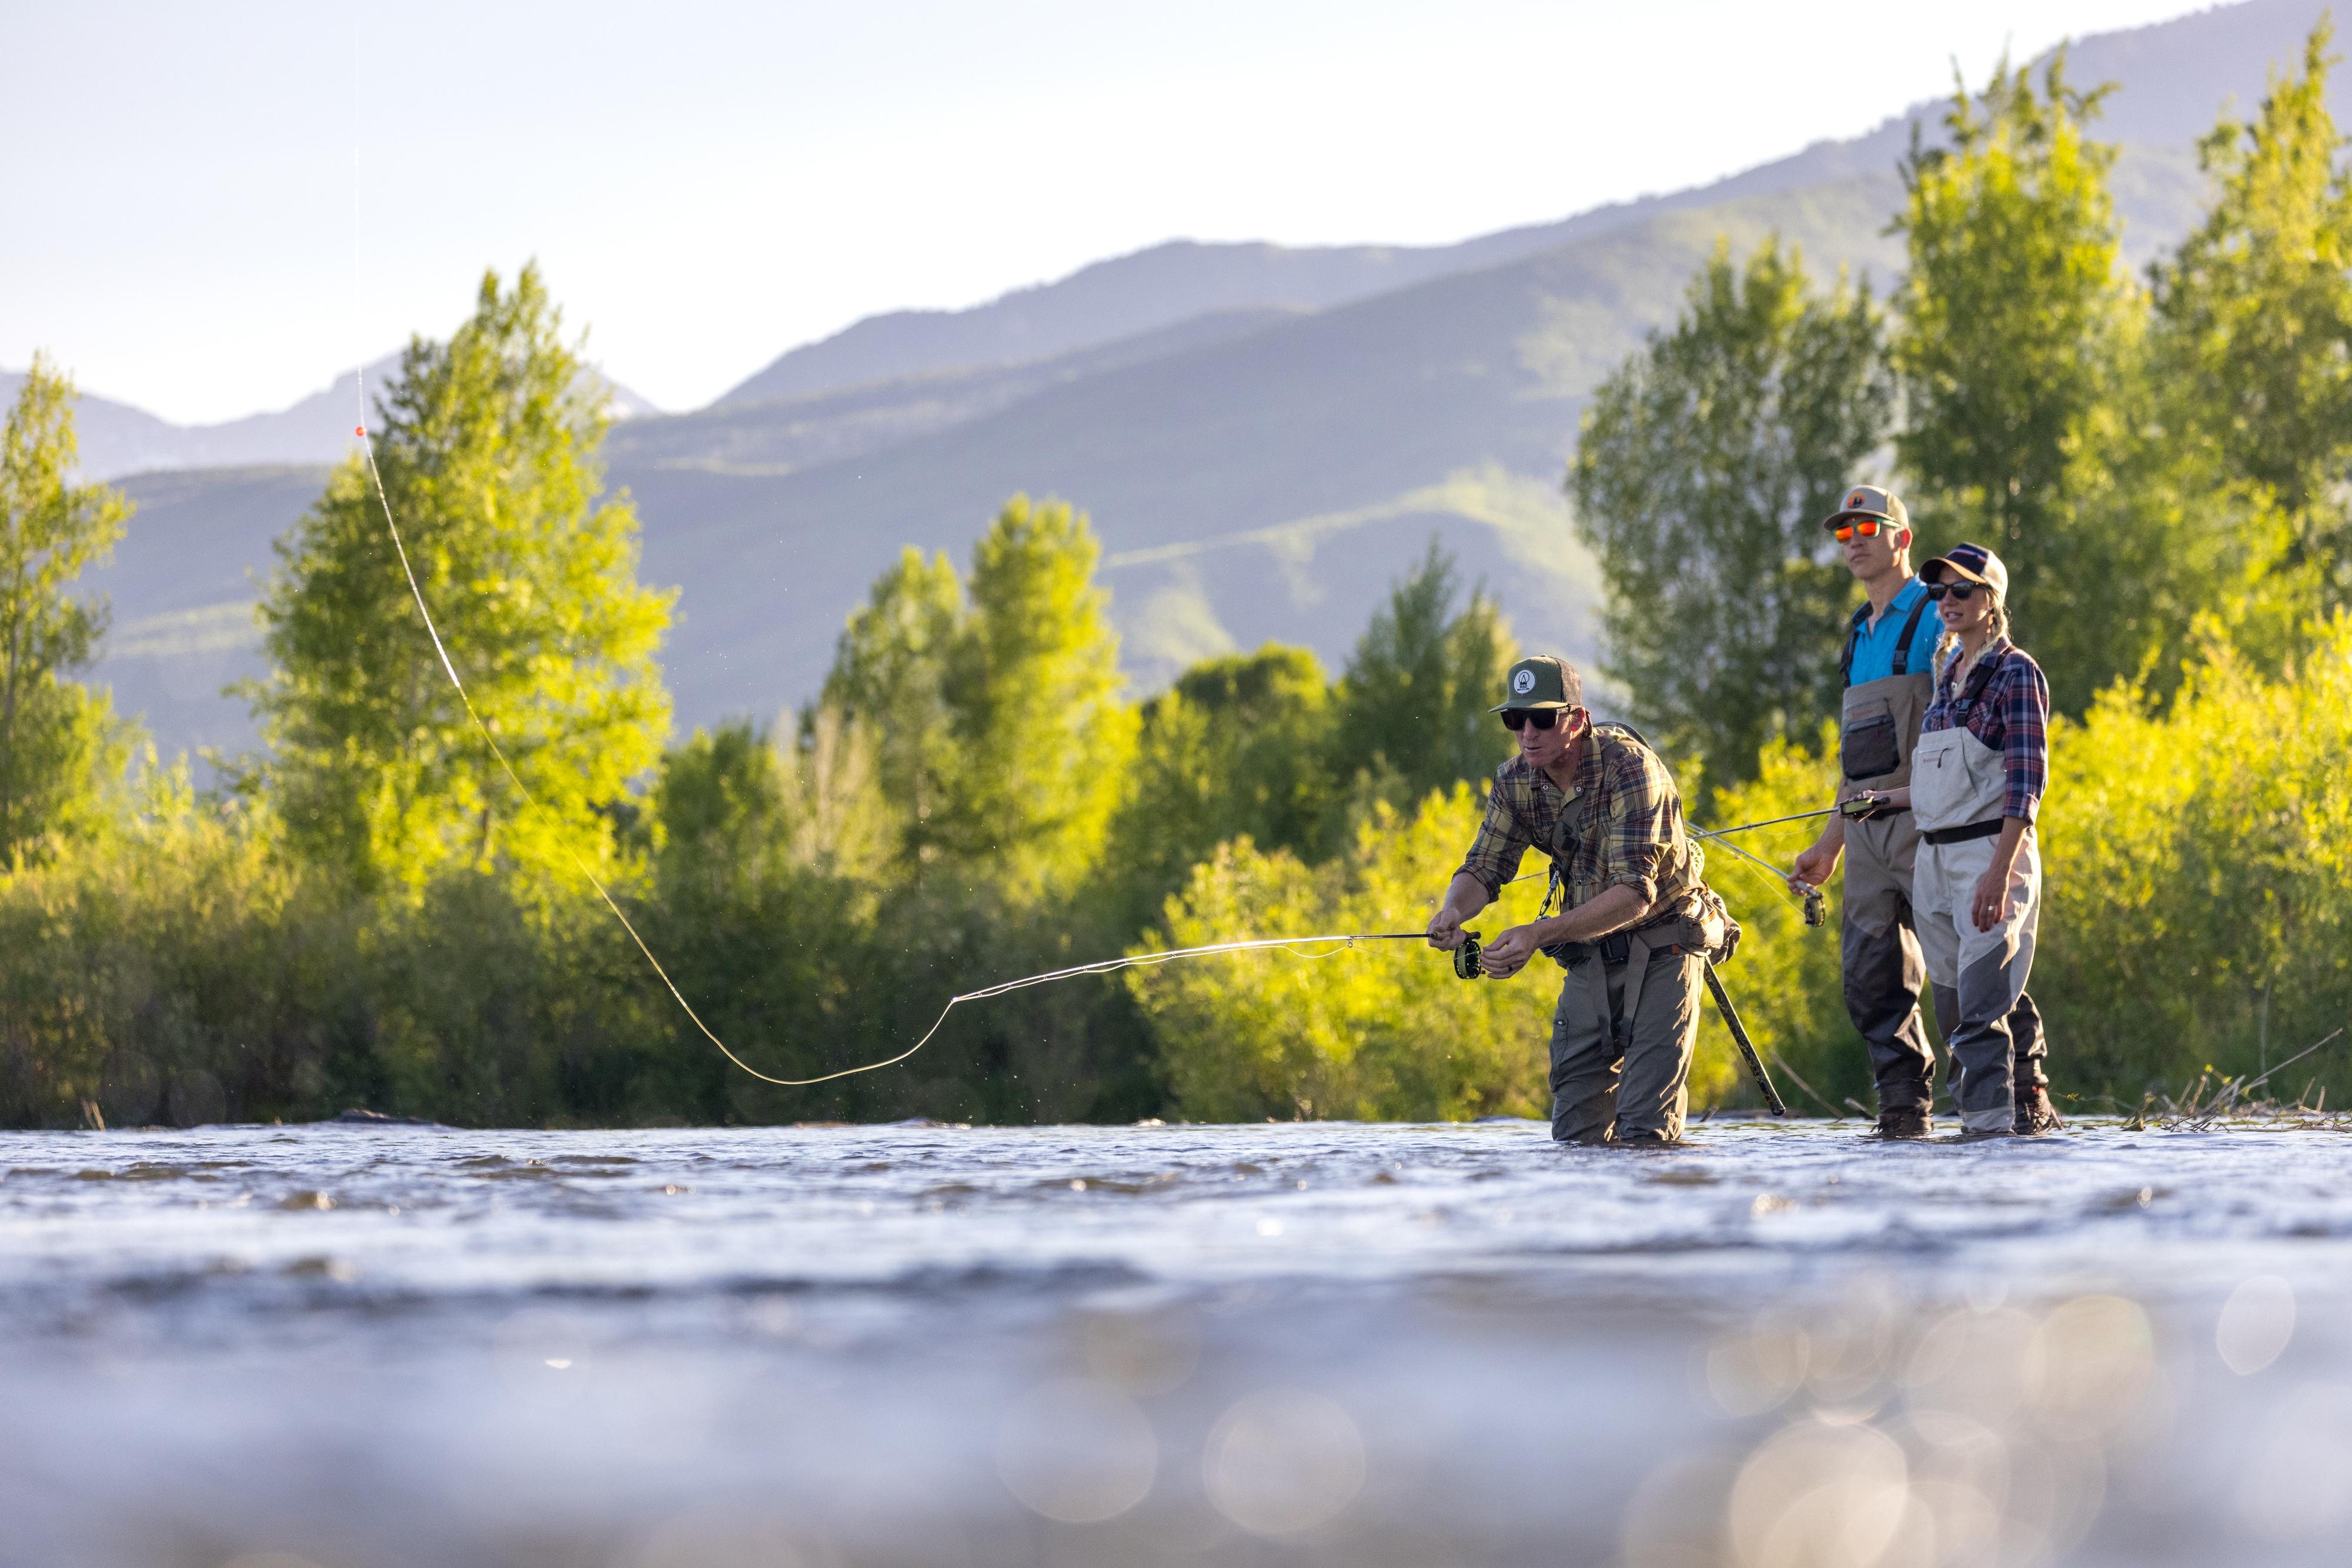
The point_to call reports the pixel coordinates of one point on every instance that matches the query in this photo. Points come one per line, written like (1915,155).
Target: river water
(1781,1347)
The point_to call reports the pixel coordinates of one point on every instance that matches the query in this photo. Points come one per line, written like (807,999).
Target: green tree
(887,694)
(1411,712)
(2014,331)
(992,710)
(1042,737)
(58,737)
(2253,345)
(1238,747)
(1703,470)
(487,450)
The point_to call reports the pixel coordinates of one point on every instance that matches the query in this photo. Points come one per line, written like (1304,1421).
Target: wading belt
(1962,835)
(1633,949)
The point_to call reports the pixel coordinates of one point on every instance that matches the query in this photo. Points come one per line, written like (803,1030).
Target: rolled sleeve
(1633,850)
(2025,740)
(1502,842)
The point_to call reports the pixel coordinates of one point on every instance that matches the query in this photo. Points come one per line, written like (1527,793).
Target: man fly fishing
(1637,922)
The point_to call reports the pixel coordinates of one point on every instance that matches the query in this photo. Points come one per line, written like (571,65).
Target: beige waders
(1880,963)
(1957,787)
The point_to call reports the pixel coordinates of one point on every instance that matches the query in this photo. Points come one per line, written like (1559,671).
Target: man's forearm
(1467,896)
(1615,908)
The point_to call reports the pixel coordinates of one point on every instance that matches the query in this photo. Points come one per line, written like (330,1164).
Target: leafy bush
(2201,875)
(1381,1031)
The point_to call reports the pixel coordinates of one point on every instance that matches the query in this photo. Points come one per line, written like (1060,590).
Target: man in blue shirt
(1889,669)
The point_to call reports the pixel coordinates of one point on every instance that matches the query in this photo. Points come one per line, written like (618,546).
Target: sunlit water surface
(1783,1345)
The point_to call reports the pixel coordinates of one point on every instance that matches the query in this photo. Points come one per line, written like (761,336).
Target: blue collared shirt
(1874,650)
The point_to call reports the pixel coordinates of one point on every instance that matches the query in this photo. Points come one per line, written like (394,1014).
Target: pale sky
(708,184)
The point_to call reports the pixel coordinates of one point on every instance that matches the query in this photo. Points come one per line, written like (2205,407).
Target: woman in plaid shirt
(1977,781)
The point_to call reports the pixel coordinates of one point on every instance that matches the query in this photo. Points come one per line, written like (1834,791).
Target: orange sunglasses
(1868,527)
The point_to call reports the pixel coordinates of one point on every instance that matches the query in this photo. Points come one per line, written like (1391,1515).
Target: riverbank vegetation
(377,911)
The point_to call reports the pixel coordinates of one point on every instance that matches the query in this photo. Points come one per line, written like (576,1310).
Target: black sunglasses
(1962,592)
(1515,719)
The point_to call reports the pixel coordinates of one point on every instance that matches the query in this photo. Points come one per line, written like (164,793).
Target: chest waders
(1880,964)
(1959,786)
(1714,937)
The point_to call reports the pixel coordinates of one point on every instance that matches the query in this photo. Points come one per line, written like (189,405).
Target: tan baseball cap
(1870,501)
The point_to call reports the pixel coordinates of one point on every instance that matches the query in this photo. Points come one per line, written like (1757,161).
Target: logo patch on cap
(1523,683)
(1858,499)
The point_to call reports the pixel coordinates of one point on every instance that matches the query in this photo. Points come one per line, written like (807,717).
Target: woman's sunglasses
(1515,719)
(1960,593)
(1868,527)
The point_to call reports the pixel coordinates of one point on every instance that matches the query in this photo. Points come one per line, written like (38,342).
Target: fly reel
(1466,957)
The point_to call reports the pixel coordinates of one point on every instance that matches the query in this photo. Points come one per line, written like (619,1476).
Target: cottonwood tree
(2015,330)
(1411,715)
(487,446)
(1703,470)
(57,738)
(886,695)
(994,706)
(2253,340)
(1237,747)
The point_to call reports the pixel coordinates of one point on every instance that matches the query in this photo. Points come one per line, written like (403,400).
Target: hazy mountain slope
(117,438)
(1269,485)
(1265,488)
(2180,73)
(783,434)
(183,583)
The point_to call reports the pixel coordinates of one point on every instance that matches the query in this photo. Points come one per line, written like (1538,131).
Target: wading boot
(1905,1121)
(2035,1115)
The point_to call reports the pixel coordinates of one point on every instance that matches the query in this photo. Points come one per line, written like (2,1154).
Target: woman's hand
(1991,897)
(1508,954)
(1880,801)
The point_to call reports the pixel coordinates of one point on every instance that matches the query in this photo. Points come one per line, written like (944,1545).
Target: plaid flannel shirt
(2006,704)
(1641,845)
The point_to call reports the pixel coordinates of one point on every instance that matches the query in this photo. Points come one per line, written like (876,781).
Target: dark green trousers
(1602,1094)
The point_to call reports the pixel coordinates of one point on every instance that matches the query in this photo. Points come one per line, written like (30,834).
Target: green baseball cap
(1540,680)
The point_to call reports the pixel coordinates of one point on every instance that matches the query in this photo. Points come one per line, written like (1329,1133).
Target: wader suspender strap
(1637,963)
(1565,832)
(1853,641)
(1902,649)
(1910,630)
(1565,838)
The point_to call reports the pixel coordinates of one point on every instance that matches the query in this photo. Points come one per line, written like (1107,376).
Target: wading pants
(1979,977)
(1601,1094)
(1884,968)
